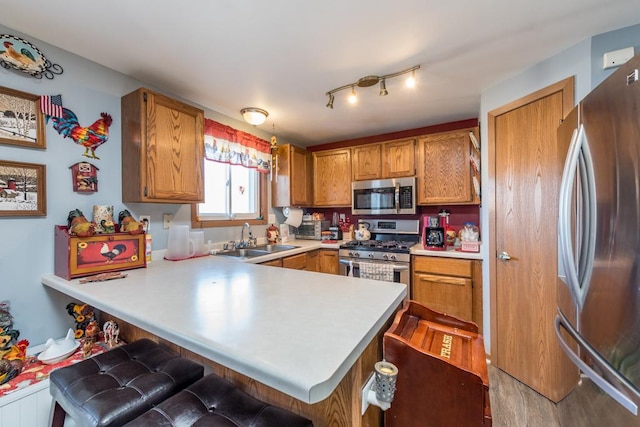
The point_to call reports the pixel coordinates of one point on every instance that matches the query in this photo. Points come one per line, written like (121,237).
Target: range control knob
(356,254)
(393,257)
(385,257)
(371,256)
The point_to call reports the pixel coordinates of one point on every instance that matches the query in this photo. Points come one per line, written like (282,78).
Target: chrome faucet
(250,242)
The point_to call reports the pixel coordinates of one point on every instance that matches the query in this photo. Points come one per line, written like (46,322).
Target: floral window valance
(225,144)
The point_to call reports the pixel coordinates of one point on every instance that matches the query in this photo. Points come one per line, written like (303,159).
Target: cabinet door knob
(504,256)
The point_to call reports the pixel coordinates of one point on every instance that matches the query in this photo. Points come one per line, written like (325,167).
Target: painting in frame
(22,189)
(21,121)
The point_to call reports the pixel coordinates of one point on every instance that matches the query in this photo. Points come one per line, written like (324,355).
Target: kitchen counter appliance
(311,229)
(390,243)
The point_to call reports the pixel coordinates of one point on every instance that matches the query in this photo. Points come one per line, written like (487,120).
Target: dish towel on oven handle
(376,271)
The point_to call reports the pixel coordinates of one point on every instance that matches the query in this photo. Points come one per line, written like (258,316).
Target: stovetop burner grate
(381,245)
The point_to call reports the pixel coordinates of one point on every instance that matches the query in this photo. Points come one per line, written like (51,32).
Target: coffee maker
(433,235)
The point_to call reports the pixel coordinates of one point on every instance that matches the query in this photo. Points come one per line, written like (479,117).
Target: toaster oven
(312,229)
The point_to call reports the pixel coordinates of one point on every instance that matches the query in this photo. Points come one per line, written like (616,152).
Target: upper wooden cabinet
(445,175)
(332,177)
(162,149)
(291,184)
(390,159)
(366,162)
(398,158)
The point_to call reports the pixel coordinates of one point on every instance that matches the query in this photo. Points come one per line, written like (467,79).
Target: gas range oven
(384,257)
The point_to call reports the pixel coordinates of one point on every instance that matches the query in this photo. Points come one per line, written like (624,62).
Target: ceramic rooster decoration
(90,137)
(128,224)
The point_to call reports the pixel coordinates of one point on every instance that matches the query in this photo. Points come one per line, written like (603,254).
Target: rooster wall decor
(89,137)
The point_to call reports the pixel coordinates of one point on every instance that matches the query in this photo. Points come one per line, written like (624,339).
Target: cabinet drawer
(446,294)
(297,262)
(447,266)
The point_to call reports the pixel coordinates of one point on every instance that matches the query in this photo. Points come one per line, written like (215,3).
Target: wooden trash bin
(442,379)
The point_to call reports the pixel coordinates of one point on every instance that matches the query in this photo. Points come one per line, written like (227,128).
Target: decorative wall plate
(21,55)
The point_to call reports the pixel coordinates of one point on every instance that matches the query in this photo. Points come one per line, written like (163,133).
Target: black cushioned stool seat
(214,402)
(115,387)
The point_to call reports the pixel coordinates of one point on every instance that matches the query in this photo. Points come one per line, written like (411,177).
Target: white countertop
(296,331)
(451,252)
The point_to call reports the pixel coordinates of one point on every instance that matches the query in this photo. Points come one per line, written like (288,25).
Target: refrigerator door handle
(566,265)
(577,276)
(606,386)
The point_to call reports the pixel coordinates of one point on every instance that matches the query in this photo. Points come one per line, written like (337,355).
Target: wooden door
(365,162)
(329,262)
(399,158)
(300,177)
(527,171)
(175,150)
(332,178)
(444,169)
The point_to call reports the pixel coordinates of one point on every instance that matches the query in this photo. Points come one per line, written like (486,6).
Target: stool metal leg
(58,416)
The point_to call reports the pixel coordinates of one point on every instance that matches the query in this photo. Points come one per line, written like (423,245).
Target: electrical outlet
(146,221)
(167,219)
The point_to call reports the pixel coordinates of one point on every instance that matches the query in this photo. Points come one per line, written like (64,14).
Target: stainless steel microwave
(384,196)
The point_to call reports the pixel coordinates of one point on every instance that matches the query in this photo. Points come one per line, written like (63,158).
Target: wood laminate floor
(514,404)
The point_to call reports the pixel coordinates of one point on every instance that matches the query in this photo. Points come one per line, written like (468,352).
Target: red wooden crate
(83,256)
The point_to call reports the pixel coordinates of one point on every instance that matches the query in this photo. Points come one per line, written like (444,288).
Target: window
(235,182)
(230,192)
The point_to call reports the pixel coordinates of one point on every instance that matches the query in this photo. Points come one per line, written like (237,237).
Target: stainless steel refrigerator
(598,320)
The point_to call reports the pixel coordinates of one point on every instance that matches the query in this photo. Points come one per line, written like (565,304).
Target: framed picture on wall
(22,189)
(21,121)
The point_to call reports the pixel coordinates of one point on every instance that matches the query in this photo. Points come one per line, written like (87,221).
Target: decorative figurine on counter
(272,234)
(85,177)
(127,224)
(90,337)
(78,225)
(111,332)
(103,219)
(82,315)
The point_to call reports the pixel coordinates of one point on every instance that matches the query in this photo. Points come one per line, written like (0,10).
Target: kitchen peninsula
(310,338)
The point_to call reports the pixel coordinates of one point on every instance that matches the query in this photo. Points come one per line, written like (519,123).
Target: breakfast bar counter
(297,332)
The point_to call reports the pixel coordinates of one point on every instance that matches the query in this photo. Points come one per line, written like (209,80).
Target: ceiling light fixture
(370,81)
(353,97)
(254,116)
(383,88)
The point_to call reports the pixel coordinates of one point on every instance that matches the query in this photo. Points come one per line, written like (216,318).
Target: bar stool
(115,387)
(213,401)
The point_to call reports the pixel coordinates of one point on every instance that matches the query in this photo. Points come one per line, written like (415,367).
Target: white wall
(26,244)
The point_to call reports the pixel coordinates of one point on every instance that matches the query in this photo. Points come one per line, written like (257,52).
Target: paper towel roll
(294,216)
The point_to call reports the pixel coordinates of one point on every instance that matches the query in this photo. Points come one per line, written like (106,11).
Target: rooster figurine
(78,225)
(129,225)
(89,137)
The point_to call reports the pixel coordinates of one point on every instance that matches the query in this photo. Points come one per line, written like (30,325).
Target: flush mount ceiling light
(368,81)
(254,116)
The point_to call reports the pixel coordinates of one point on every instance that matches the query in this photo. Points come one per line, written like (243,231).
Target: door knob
(504,256)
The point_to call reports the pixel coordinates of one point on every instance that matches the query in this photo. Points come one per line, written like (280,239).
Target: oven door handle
(356,264)
(397,197)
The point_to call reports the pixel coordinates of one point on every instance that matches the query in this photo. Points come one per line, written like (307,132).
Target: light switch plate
(166,220)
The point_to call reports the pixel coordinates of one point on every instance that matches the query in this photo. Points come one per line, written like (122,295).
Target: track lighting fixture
(330,103)
(370,81)
(383,88)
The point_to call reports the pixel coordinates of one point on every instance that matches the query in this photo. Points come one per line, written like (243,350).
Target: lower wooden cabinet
(319,260)
(449,285)
(329,261)
(297,262)
(273,263)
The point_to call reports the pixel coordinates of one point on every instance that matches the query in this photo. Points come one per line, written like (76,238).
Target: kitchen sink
(275,248)
(256,251)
